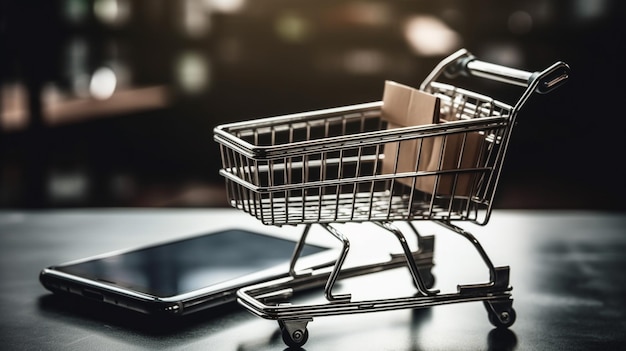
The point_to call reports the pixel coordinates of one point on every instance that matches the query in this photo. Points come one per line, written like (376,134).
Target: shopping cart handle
(546,80)
(552,78)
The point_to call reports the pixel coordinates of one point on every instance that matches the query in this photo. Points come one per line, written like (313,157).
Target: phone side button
(94,295)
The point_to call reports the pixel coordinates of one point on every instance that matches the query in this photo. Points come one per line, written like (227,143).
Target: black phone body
(184,276)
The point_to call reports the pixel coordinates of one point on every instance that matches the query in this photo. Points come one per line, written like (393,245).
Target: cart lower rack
(348,164)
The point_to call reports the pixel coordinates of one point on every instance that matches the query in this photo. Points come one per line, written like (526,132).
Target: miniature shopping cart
(342,165)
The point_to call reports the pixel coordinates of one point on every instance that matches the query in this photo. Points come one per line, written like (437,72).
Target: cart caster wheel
(502,319)
(295,339)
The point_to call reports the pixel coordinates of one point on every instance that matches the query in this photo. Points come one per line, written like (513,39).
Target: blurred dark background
(113,102)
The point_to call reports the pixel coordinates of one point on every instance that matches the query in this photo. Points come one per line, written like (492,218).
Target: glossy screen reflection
(191,264)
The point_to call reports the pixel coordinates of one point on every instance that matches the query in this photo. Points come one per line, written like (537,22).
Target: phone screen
(187,265)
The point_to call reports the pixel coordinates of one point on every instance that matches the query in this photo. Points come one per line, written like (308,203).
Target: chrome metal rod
(334,274)
(298,250)
(472,239)
(417,277)
(498,73)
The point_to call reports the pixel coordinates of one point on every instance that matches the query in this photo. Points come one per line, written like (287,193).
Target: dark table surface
(567,271)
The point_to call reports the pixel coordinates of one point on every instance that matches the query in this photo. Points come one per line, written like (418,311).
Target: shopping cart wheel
(500,316)
(294,333)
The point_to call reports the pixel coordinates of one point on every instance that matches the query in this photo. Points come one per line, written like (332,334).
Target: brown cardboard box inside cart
(404,106)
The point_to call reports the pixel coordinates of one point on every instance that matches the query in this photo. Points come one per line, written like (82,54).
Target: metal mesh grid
(339,165)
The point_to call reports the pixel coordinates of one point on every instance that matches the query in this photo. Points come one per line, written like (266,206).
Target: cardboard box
(404,106)
(406,158)
(449,153)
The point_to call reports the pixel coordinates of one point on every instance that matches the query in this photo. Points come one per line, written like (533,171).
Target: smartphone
(184,276)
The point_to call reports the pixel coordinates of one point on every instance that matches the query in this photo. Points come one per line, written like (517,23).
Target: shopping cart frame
(260,181)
